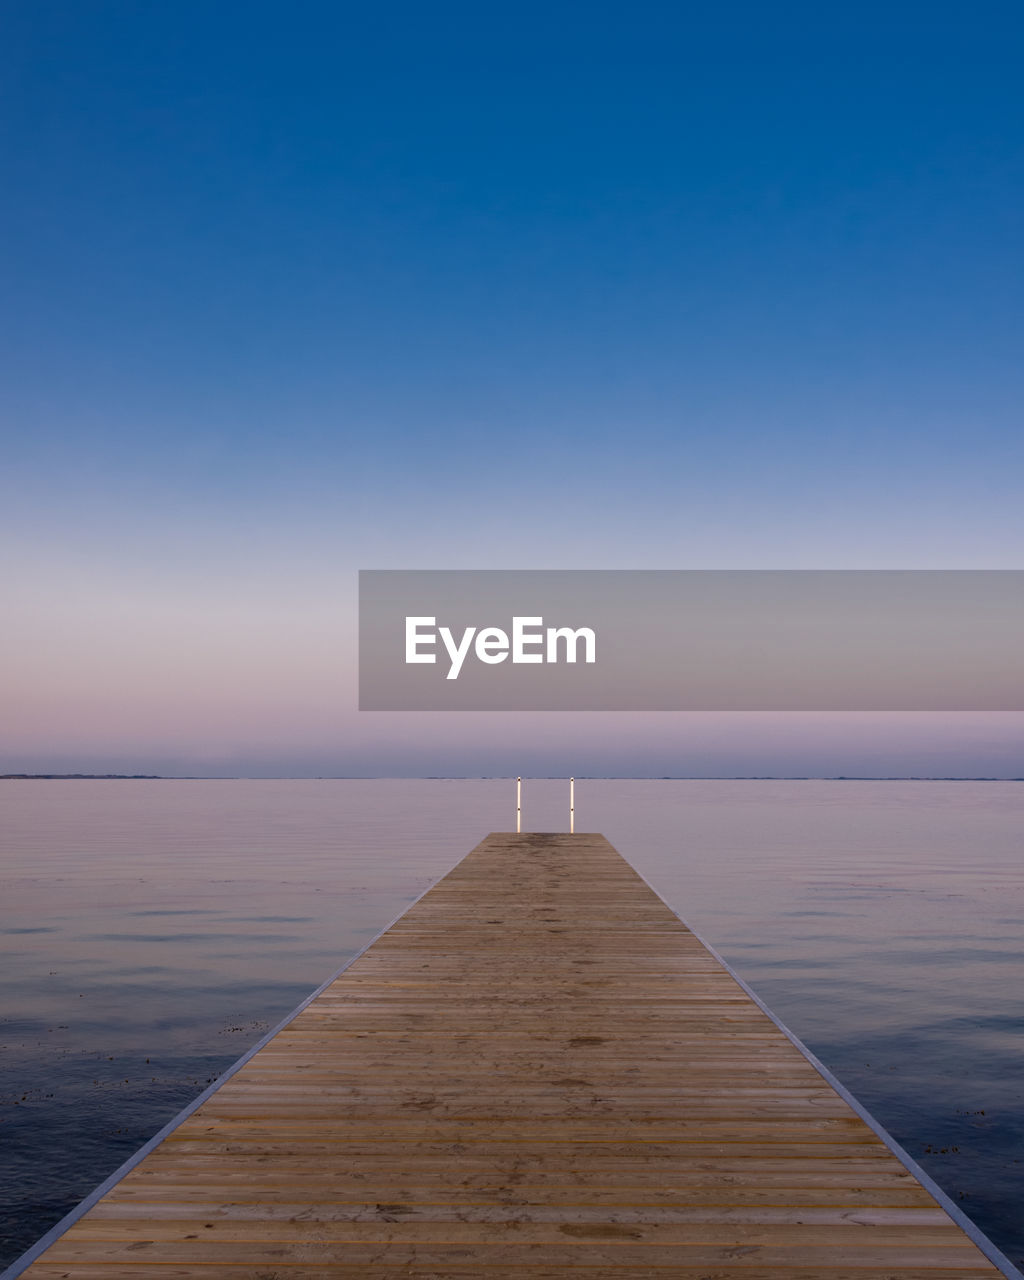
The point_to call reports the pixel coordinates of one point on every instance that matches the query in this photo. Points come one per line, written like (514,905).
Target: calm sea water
(151,931)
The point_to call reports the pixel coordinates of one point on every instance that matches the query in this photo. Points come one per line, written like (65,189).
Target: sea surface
(152,930)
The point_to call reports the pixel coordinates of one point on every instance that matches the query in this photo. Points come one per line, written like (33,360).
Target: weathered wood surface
(537,1072)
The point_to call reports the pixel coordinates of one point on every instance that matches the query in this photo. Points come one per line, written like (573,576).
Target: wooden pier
(537,1072)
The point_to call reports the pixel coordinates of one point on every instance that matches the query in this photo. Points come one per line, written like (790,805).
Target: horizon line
(500,777)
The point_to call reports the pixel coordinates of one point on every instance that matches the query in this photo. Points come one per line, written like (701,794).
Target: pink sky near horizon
(255,673)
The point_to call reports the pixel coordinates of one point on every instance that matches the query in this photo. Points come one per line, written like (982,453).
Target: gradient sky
(294,290)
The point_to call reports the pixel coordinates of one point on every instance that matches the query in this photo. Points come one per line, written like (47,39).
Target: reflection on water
(151,931)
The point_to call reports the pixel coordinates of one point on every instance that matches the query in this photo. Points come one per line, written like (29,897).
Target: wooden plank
(538,1071)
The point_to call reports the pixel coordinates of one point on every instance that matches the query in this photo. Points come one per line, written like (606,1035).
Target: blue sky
(296,290)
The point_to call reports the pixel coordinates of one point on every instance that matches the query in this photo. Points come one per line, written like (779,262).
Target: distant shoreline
(20,777)
(725,777)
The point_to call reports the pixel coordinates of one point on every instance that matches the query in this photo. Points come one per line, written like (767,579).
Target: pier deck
(538,1072)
